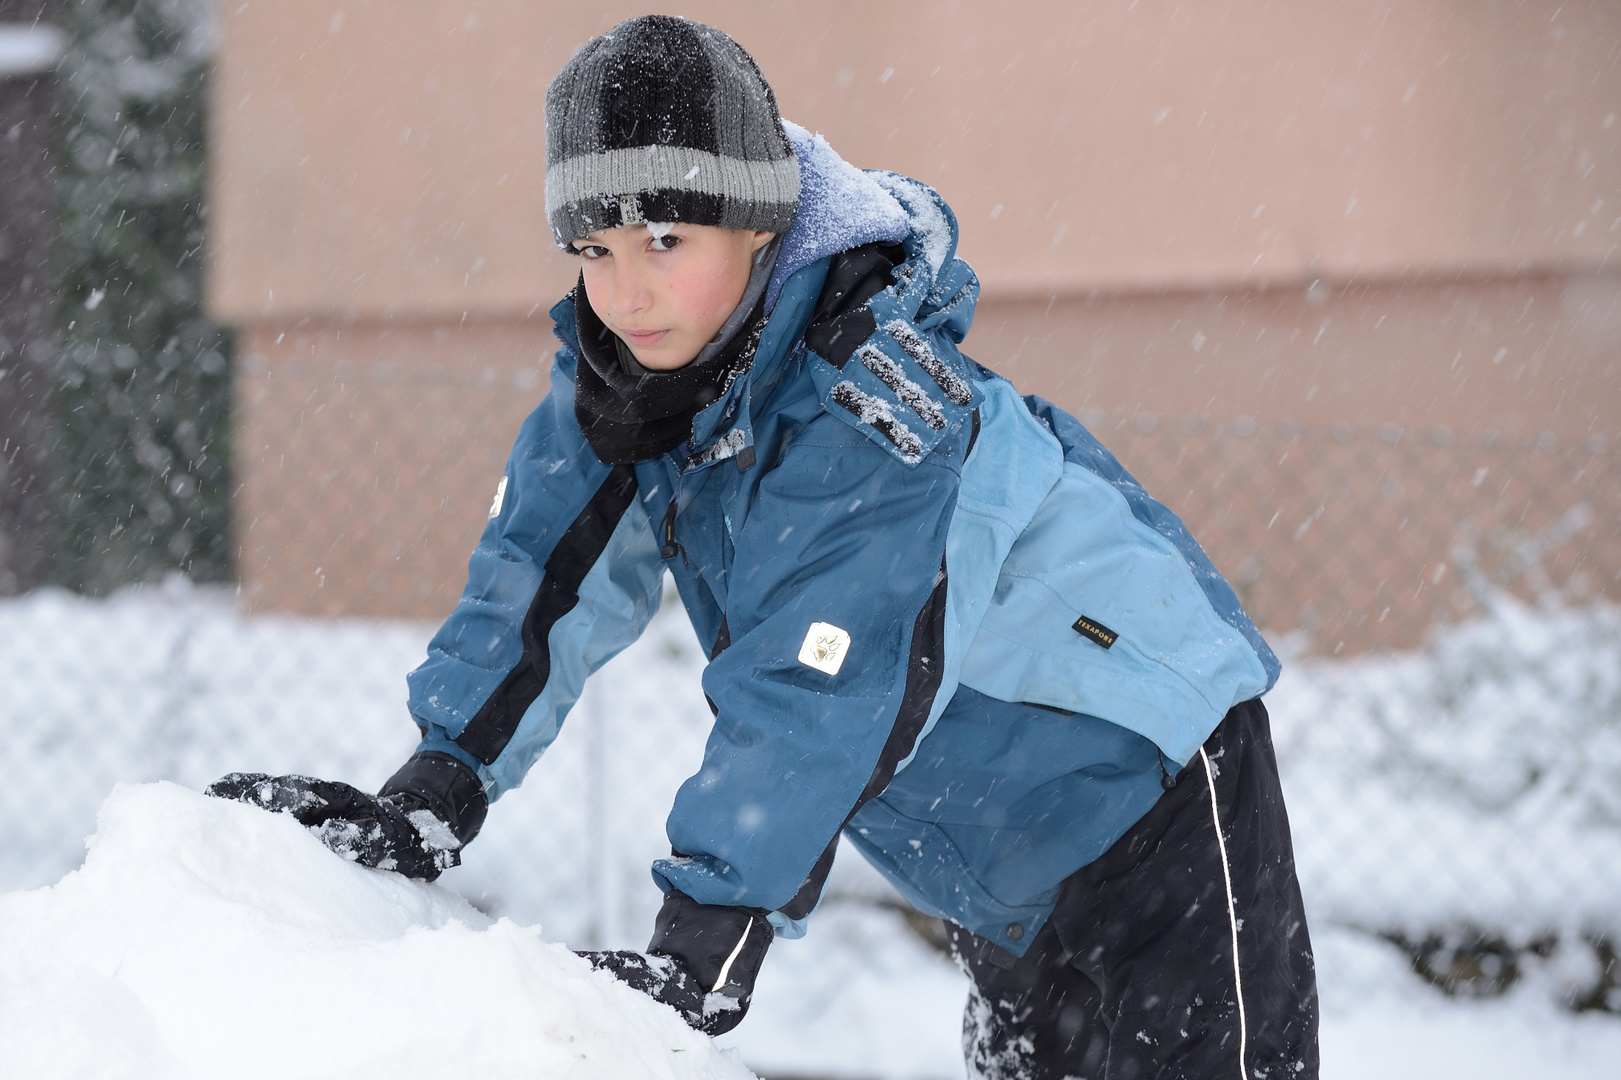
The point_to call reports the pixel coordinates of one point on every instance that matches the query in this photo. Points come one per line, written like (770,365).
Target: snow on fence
(1461,798)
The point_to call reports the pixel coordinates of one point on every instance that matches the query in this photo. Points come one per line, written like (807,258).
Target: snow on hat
(662,119)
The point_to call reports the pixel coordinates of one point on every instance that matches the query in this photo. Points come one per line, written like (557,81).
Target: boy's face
(666,295)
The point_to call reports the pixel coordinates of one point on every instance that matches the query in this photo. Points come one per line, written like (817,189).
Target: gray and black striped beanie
(662,119)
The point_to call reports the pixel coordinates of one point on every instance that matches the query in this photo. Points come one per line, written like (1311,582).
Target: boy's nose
(631,295)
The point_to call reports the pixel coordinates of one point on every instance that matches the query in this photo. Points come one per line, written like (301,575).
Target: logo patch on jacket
(825,647)
(500,498)
(1091,628)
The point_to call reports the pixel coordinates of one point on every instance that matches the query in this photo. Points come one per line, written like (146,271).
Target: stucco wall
(1346,213)
(371,164)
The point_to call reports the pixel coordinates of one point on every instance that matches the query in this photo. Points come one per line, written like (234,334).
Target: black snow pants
(1181,952)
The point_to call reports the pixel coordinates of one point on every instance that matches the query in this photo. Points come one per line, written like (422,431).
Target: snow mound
(204,938)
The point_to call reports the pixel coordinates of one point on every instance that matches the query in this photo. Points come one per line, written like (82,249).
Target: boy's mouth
(643,337)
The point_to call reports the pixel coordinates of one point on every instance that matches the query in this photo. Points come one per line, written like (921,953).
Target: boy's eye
(663,243)
(588,251)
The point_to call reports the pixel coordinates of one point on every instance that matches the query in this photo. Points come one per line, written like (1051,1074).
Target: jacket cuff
(446,788)
(723,947)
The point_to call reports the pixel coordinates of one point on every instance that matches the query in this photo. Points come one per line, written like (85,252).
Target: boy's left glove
(702,961)
(416,825)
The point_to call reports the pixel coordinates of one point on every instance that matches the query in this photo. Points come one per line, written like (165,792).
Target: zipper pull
(1166,780)
(671,546)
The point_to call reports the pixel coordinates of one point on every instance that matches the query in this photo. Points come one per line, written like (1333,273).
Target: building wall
(371,164)
(1514,354)
(1388,217)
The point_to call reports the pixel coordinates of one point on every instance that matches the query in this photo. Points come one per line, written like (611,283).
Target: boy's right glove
(416,825)
(702,961)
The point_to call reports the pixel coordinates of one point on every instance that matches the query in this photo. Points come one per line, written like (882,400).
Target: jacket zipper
(671,545)
(1166,780)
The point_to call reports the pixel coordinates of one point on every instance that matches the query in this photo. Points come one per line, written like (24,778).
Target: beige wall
(371,163)
(1396,217)
(1518,355)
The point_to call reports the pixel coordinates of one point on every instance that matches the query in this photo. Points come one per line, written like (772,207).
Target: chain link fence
(1354,539)
(1449,724)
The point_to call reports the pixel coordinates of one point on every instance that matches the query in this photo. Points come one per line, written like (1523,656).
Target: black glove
(416,825)
(702,961)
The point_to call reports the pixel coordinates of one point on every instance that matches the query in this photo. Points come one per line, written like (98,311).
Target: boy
(942,620)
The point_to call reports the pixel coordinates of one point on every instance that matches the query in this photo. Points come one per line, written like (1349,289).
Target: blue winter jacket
(944,620)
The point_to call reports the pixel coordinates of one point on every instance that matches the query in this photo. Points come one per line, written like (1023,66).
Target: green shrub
(142,390)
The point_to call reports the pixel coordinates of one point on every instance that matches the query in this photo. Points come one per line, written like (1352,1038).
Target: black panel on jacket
(924,670)
(577,551)
(841,320)
(810,891)
(723,641)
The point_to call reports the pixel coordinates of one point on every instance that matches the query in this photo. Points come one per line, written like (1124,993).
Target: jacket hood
(840,207)
(911,385)
(843,207)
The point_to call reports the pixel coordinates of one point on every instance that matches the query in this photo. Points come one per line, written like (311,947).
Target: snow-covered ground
(1468,787)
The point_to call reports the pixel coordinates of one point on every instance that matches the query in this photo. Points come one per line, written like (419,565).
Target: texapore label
(1091,628)
(825,647)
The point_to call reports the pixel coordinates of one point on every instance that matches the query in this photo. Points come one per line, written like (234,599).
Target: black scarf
(630,413)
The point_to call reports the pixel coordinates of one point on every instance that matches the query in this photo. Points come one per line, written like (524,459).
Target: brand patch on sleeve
(500,498)
(825,647)
(1096,631)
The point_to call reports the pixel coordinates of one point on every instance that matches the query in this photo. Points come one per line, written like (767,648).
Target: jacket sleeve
(565,576)
(835,616)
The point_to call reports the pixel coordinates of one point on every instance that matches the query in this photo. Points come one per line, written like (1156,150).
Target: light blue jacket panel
(1186,652)
(1038,540)
(1000,803)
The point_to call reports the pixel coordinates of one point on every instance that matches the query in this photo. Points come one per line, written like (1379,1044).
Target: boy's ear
(761,239)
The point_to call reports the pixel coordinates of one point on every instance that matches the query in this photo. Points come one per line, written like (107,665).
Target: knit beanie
(665,120)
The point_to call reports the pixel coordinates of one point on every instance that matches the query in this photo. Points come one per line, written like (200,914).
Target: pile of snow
(203,939)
